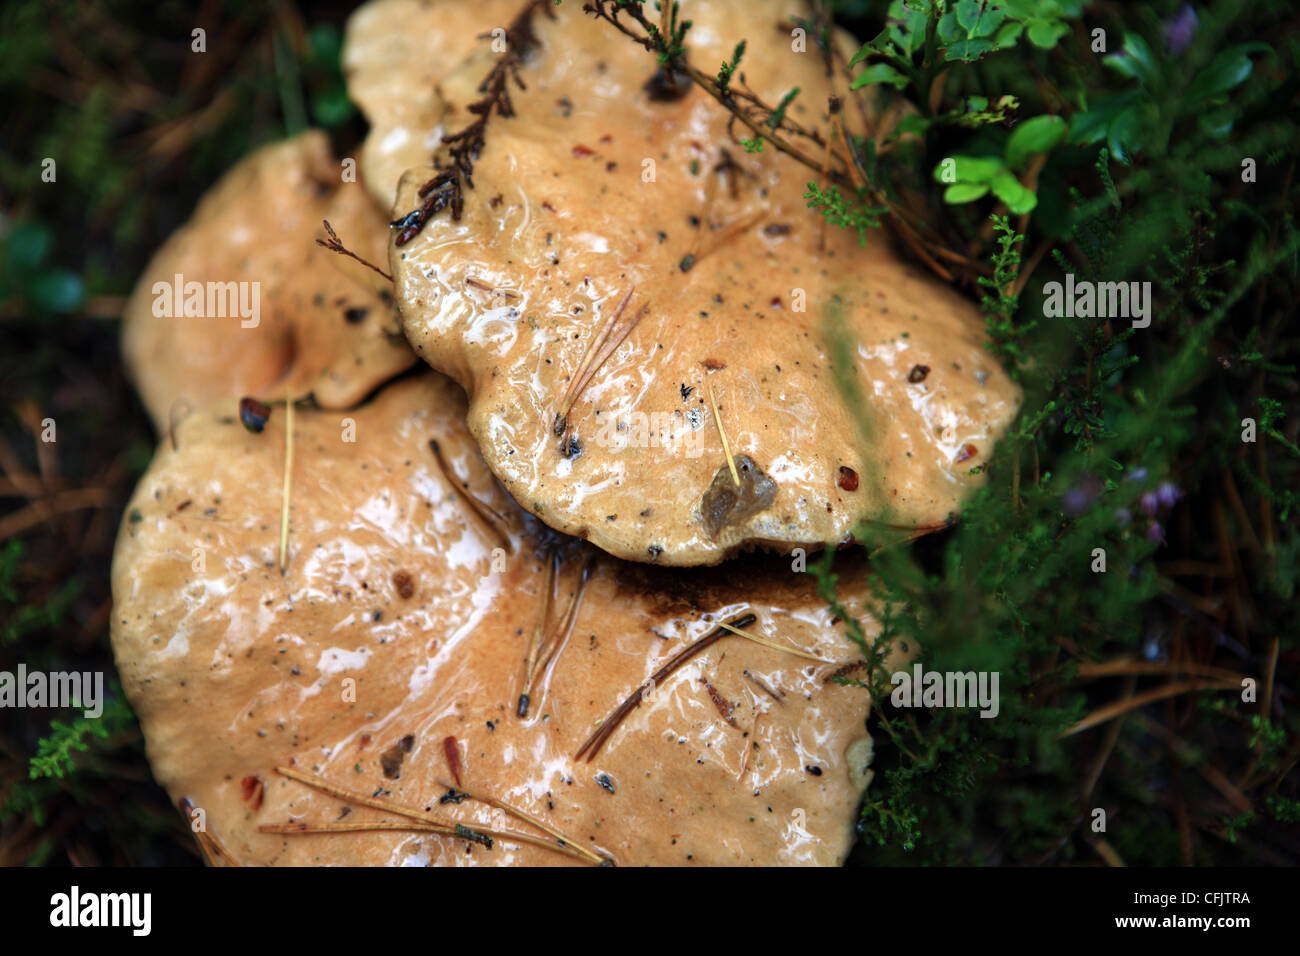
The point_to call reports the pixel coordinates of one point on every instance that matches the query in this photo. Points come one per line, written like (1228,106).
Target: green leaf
(1134,61)
(1045,33)
(1229,68)
(959,193)
(969,169)
(906,26)
(977,18)
(1019,200)
(1007,34)
(880,73)
(1088,128)
(1037,135)
(1124,136)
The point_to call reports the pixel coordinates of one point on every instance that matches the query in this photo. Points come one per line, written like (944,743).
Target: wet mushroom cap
(396,627)
(269,310)
(595,189)
(395,52)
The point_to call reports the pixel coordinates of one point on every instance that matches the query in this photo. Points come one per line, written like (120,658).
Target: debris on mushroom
(243,301)
(371,691)
(522,298)
(395,53)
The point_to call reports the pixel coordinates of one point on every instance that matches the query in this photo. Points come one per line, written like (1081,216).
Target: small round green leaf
(959,193)
(1037,135)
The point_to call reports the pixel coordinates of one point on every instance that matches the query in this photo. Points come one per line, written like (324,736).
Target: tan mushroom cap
(593,190)
(395,52)
(323,323)
(391,589)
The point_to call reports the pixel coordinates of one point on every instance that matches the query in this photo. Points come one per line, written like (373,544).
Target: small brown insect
(918,373)
(848,478)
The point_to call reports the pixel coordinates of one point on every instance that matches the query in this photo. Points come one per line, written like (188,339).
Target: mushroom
(395,52)
(242,300)
(635,305)
(305,718)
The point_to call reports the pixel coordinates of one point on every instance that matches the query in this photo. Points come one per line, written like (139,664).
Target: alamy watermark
(210,300)
(57,689)
(922,688)
(1102,300)
(680,432)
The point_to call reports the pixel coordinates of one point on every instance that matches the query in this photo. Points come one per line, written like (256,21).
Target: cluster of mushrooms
(389,594)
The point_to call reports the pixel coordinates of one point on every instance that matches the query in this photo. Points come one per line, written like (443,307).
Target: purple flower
(1156,533)
(1168,494)
(1150,502)
(1137,474)
(1078,498)
(1180,29)
(1123,516)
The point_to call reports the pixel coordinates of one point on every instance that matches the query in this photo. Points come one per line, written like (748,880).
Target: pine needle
(557,638)
(602,347)
(214,851)
(775,646)
(607,727)
(717,419)
(486,514)
(528,818)
(288,473)
(427,821)
(539,634)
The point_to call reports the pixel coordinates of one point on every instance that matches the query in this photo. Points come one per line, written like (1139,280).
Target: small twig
(335,245)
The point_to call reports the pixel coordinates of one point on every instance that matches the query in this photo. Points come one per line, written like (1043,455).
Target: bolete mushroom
(382,673)
(635,302)
(242,299)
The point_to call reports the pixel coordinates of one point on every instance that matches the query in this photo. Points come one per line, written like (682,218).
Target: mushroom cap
(235,669)
(324,323)
(395,52)
(593,190)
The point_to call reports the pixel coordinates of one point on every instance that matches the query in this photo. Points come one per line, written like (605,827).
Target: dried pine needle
(775,646)
(717,419)
(424,822)
(491,518)
(528,818)
(288,474)
(592,746)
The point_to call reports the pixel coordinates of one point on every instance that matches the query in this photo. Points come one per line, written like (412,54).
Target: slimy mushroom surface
(601,215)
(399,634)
(395,53)
(242,301)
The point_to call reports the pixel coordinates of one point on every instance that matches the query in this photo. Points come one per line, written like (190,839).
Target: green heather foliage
(1111,412)
(1115,164)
